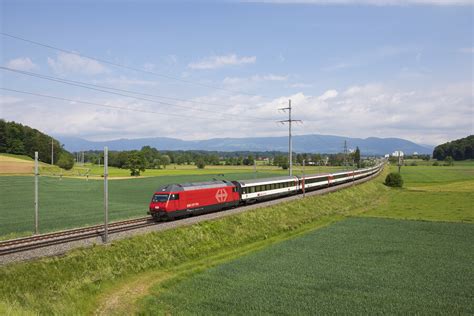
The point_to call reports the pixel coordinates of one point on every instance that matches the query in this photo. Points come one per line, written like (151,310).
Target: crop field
(352,251)
(356,266)
(21,165)
(69,202)
(365,264)
(432,193)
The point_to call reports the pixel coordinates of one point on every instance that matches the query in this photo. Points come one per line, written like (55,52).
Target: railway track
(44,240)
(19,245)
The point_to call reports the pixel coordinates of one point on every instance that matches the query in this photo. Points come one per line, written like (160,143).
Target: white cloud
(467,50)
(149,66)
(329,94)
(171,59)
(6,99)
(253,79)
(21,63)
(71,63)
(214,62)
(421,115)
(300,85)
(370,2)
(337,66)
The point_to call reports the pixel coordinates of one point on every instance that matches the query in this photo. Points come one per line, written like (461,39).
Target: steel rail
(43,240)
(49,239)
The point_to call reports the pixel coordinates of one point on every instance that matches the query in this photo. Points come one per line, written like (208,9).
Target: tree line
(150,158)
(19,139)
(460,149)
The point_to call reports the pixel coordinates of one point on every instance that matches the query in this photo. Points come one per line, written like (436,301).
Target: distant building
(397,153)
(387,155)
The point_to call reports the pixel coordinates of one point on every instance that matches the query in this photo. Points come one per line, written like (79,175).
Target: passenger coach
(178,200)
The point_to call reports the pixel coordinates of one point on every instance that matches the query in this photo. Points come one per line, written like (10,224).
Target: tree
(357,157)
(394,179)
(249,161)
(200,163)
(165,160)
(448,161)
(149,153)
(136,162)
(65,161)
(459,149)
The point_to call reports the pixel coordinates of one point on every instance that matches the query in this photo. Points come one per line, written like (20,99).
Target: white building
(397,153)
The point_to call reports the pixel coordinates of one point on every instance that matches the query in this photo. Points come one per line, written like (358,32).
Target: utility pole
(52,151)
(399,161)
(289,121)
(345,153)
(36,193)
(106,194)
(304,183)
(255,168)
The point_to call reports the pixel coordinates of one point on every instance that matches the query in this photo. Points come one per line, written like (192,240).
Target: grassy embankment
(72,202)
(361,265)
(84,279)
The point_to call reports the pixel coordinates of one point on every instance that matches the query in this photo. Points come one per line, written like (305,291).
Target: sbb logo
(221,195)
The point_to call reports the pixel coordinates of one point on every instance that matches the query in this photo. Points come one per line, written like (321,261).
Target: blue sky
(395,69)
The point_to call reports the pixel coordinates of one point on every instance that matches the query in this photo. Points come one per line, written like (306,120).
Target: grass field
(69,202)
(81,281)
(73,200)
(21,165)
(432,193)
(382,264)
(356,266)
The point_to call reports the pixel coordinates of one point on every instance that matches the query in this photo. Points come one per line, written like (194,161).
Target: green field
(345,259)
(356,266)
(75,200)
(431,193)
(70,202)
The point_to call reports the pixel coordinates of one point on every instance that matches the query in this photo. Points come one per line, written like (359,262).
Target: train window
(160,198)
(252,189)
(174,197)
(244,190)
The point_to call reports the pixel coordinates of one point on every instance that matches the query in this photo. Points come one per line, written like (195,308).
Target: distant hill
(302,143)
(459,149)
(19,139)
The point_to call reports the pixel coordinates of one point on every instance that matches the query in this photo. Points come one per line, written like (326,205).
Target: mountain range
(301,143)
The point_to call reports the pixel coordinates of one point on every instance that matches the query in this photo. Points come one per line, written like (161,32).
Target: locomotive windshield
(164,197)
(160,197)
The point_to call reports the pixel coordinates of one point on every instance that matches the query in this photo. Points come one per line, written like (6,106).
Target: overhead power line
(289,121)
(113,106)
(91,87)
(115,64)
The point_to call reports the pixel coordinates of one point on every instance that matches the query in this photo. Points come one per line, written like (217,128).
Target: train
(174,201)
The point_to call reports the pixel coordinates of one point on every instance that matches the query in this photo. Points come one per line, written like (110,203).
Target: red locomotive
(177,200)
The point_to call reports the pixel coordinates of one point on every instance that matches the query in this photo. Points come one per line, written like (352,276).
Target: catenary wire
(112,106)
(129,67)
(86,86)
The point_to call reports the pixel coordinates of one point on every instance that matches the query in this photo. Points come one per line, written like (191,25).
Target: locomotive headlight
(157,207)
